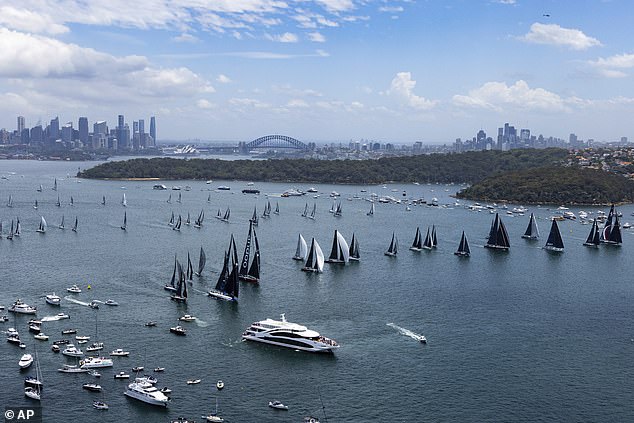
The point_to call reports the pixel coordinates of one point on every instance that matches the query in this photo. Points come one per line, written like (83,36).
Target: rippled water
(518,336)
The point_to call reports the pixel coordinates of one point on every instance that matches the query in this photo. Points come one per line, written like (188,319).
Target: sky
(322,70)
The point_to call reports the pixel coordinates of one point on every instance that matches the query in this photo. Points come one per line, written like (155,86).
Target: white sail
(302,249)
(124,202)
(344,248)
(320,258)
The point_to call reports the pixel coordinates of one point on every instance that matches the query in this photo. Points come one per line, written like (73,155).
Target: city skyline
(401,71)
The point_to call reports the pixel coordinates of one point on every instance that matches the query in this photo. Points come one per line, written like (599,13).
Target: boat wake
(406,332)
(73,300)
(51,318)
(201,323)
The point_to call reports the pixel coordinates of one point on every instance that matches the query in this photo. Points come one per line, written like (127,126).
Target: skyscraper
(53,130)
(141,126)
(83,130)
(123,134)
(20,124)
(153,128)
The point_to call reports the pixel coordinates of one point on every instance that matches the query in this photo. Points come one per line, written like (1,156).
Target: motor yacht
(100,405)
(25,361)
(74,289)
(70,368)
(159,369)
(21,308)
(35,327)
(53,299)
(148,393)
(55,348)
(95,346)
(41,337)
(289,335)
(122,375)
(187,318)
(95,362)
(111,303)
(138,369)
(178,330)
(92,387)
(277,405)
(119,353)
(72,351)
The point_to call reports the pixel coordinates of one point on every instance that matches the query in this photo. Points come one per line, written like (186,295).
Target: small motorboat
(111,303)
(61,342)
(4,318)
(94,373)
(69,368)
(193,381)
(278,405)
(187,318)
(213,418)
(166,390)
(32,393)
(100,405)
(93,304)
(122,375)
(421,339)
(178,330)
(53,299)
(138,369)
(69,331)
(61,316)
(150,324)
(92,387)
(34,327)
(22,345)
(159,369)
(25,361)
(120,353)
(72,351)
(82,338)
(55,348)
(219,385)
(41,337)
(74,289)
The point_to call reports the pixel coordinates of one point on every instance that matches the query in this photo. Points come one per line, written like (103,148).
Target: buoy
(89,286)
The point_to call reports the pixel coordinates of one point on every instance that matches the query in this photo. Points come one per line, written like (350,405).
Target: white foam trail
(406,332)
(72,300)
(201,323)
(50,318)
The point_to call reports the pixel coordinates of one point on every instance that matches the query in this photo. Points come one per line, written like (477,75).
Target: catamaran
(339,252)
(315,259)
(250,273)
(463,248)
(302,249)
(498,237)
(531,230)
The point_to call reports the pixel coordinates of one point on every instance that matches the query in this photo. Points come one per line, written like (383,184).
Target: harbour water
(525,335)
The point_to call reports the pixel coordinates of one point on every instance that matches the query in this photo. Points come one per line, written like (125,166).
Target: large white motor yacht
(290,335)
(53,299)
(146,392)
(95,362)
(72,351)
(25,361)
(19,307)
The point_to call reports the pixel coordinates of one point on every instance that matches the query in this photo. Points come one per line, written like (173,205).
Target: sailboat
(312,213)
(463,249)
(187,221)
(11,233)
(34,392)
(305,212)
(498,237)
(214,417)
(42,228)
(10,202)
(199,220)
(202,260)
(179,198)
(531,230)
(209,198)
(554,242)
(354,249)
(61,225)
(434,239)
(177,225)
(39,188)
(277,208)
(125,221)
(35,205)
(333,207)
(371,212)
(267,209)
(302,249)
(169,199)
(250,272)
(594,237)
(0,229)
(337,212)
(227,288)
(190,268)
(180,294)
(339,253)
(254,219)
(171,286)
(171,222)
(72,202)
(611,234)
(103,200)
(55,185)
(18,228)
(225,218)
(428,243)
(417,245)
(124,202)
(75,225)
(315,259)
(393,248)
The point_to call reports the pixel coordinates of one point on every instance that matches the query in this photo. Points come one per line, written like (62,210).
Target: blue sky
(323,70)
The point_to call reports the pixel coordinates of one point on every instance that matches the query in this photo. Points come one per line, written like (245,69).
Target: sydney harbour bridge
(267,142)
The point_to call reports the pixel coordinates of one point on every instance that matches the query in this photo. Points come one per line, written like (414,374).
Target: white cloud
(316,37)
(402,88)
(185,38)
(499,97)
(553,34)
(336,5)
(391,9)
(612,67)
(506,1)
(297,103)
(204,104)
(223,79)
(286,37)
(29,21)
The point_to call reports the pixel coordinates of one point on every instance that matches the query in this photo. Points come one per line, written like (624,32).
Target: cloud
(316,37)
(506,1)
(223,79)
(336,5)
(402,88)
(613,66)
(185,38)
(553,34)
(286,37)
(391,9)
(297,103)
(267,55)
(29,21)
(498,96)
(204,104)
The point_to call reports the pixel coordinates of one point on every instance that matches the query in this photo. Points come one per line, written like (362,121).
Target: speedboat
(219,385)
(111,303)
(95,362)
(147,393)
(420,338)
(41,337)
(69,331)
(159,369)
(72,351)
(178,330)
(69,368)
(92,387)
(14,339)
(25,361)
(19,307)
(94,373)
(122,375)
(4,319)
(100,405)
(213,418)
(277,405)
(187,318)
(193,381)
(74,289)
(32,393)
(95,346)
(138,369)
(61,342)
(223,188)
(53,299)
(120,353)
(146,378)
(150,323)
(310,419)
(35,327)
(82,338)
(289,335)
(166,390)
(55,348)
(93,304)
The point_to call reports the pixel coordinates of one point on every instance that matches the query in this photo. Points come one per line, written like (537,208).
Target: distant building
(20,124)
(83,130)
(153,129)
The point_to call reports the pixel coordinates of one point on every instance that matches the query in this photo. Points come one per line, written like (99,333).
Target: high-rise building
(481,137)
(37,135)
(20,124)
(153,129)
(100,127)
(141,126)
(53,130)
(123,134)
(67,133)
(83,130)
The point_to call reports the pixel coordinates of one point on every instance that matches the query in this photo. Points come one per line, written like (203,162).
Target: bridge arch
(276,141)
